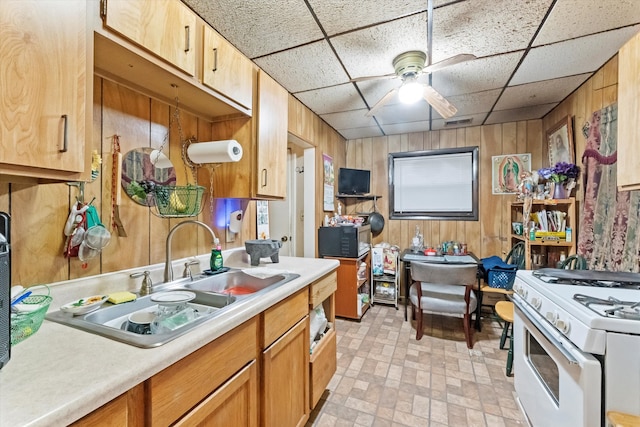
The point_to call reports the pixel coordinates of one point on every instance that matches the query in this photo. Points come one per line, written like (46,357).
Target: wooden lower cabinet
(173,392)
(232,404)
(285,392)
(125,410)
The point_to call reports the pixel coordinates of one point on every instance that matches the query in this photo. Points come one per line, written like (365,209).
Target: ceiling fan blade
(364,79)
(463,57)
(381,103)
(438,102)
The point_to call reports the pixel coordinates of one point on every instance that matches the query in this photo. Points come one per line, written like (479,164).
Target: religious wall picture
(560,140)
(506,172)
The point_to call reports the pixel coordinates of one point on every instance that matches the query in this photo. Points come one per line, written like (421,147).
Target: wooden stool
(504,309)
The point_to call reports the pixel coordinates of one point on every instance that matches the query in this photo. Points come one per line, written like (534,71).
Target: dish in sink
(84,305)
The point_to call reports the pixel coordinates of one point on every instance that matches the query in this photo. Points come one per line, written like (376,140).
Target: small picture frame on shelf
(560,140)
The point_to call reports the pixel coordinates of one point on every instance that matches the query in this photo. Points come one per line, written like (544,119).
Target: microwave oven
(344,241)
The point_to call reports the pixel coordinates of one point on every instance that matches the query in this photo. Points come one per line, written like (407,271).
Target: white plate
(84,305)
(173,297)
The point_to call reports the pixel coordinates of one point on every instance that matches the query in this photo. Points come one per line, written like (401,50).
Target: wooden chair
(573,262)
(443,289)
(504,310)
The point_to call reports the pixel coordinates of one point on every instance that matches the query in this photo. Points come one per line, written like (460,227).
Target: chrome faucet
(168,270)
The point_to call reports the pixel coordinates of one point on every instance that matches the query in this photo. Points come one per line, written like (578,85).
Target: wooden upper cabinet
(45,89)
(166,28)
(272,138)
(628,113)
(301,121)
(225,69)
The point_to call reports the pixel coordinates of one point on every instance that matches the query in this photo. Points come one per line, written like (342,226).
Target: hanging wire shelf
(175,201)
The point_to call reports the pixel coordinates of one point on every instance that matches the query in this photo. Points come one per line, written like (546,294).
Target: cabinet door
(235,403)
(272,138)
(285,393)
(125,410)
(43,88)
(226,70)
(628,112)
(167,28)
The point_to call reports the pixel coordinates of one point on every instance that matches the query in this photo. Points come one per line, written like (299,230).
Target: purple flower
(561,172)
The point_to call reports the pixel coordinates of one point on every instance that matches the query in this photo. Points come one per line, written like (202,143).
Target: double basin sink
(215,296)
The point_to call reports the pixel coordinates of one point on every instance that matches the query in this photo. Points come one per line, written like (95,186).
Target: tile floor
(387,378)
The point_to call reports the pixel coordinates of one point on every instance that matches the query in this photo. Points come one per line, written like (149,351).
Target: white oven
(557,384)
(576,349)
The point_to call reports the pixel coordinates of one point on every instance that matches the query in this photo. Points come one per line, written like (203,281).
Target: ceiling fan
(408,67)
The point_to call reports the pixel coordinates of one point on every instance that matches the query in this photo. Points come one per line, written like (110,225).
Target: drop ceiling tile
(338,16)
(472,103)
(545,92)
(476,120)
(582,55)
(349,119)
(409,127)
(517,114)
(374,90)
(356,133)
(399,113)
(304,68)
(485,27)
(260,27)
(370,52)
(573,18)
(476,76)
(332,99)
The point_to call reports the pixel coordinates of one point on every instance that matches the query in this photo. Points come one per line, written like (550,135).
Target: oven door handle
(561,345)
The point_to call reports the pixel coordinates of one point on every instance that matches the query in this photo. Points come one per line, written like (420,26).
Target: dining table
(408,256)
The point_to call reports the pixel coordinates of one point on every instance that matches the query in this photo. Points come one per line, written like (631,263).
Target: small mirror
(142,170)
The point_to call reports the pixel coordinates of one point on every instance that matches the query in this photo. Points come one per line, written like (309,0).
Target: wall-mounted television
(353,181)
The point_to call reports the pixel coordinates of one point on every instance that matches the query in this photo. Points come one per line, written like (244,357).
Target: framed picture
(506,171)
(560,140)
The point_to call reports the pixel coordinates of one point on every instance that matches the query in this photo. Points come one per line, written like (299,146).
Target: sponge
(120,297)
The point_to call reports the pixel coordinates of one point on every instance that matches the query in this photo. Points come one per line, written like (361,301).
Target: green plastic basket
(25,324)
(173,201)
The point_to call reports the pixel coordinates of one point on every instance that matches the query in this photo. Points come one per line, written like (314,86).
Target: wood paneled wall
(489,235)
(485,237)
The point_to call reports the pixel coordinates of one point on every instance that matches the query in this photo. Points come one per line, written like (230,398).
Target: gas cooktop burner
(610,307)
(601,279)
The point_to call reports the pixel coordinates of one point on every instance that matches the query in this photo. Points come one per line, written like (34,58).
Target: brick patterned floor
(387,378)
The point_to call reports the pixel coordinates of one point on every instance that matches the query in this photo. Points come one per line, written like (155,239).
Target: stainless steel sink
(214,297)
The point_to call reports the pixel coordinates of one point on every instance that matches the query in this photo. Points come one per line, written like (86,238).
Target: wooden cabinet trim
(278,319)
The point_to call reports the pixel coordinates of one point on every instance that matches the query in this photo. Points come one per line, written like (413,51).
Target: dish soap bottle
(216,256)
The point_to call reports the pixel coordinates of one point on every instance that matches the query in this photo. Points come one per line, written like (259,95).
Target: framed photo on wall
(560,140)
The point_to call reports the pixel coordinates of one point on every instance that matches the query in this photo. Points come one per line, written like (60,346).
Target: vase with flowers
(563,175)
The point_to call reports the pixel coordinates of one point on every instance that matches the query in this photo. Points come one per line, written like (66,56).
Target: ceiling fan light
(410,93)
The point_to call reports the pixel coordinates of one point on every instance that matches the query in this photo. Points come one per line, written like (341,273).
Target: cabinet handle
(264,177)
(65,139)
(187,32)
(215,59)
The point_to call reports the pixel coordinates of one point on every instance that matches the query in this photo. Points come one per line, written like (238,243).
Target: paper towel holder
(192,164)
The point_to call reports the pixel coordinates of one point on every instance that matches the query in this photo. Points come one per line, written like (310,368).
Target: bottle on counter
(216,256)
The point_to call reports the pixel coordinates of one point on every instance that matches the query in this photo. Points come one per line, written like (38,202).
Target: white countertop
(60,373)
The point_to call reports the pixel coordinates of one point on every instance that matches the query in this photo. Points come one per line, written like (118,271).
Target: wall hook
(80,185)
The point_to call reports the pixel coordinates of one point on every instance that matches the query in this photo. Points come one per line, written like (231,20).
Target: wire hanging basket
(178,201)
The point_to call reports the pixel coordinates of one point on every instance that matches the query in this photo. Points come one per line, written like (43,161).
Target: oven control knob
(563,326)
(552,317)
(536,303)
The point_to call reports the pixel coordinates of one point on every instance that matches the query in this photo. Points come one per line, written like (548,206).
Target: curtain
(609,221)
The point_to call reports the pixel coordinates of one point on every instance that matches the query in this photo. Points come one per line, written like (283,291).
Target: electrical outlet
(230,237)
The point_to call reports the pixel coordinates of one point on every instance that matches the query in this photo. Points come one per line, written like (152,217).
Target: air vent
(457,122)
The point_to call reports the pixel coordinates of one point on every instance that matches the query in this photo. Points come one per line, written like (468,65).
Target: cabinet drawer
(323,366)
(282,316)
(175,390)
(322,288)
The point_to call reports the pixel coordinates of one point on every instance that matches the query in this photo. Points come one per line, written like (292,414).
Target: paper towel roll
(215,152)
